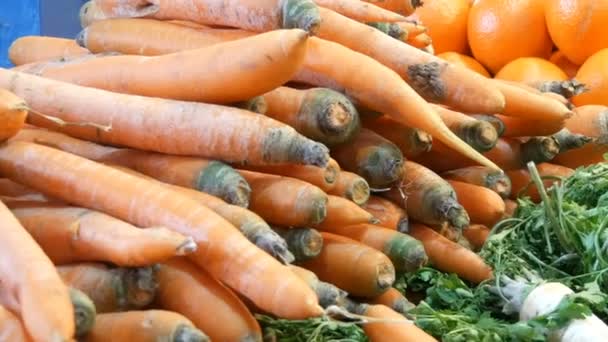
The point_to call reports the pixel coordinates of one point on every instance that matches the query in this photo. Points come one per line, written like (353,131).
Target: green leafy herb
(310,330)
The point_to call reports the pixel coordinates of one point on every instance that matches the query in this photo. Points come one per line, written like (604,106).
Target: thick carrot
(521,127)
(360,10)
(257,64)
(112,289)
(448,256)
(285,201)
(320,114)
(435,79)
(391,326)
(327,293)
(406,253)
(30,49)
(403,7)
(587,155)
(411,141)
(222,250)
(498,182)
(389,214)
(523,185)
(528,105)
(342,212)
(34,289)
(71,234)
(395,300)
(218,311)
(144,326)
(477,234)
(11,328)
(197,129)
(351,186)
(481,135)
(372,157)
(13,112)
(427,197)
(391,29)
(482,204)
(493,120)
(590,120)
(325,178)
(510,207)
(354,267)
(256,15)
(84,312)
(303,243)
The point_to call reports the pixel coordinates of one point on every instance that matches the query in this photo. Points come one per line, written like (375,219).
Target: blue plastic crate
(19,18)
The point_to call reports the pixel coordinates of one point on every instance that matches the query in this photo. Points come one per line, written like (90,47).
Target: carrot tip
(140,285)
(386,277)
(329,294)
(272,243)
(187,247)
(567,89)
(301,14)
(308,152)
(426,79)
(84,312)
(406,253)
(81,37)
(186,333)
(359,192)
(221,180)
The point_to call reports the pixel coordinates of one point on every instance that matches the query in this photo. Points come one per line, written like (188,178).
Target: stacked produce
(299,170)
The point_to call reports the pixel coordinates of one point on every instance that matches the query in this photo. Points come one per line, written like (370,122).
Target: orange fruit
(446,21)
(500,31)
(578,27)
(465,61)
(559,59)
(531,70)
(594,75)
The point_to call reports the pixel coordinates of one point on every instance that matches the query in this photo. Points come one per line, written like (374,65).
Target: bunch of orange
(527,41)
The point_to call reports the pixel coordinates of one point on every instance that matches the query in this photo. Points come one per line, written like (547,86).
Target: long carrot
(11,328)
(112,289)
(35,289)
(590,120)
(476,234)
(285,201)
(144,326)
(325,178)
(389,214)
(30,49)
(395,300)
(449,256)
(321,114)
(427,197)
(406,253)
(71,234)
(13,112)
(498,182)
(258,16)
(372,157)
(327,293)
(218,312)
(198,129)
(207,74)
(391,326)
(303,243)
(521,127)
(360,10)
(528,105)
(342,212)
(351,186)
(435,79)
(84,312)
(522,181)
(403,7)
(411,141)
(356,268)
(482,204)
(481,135)
(222,250)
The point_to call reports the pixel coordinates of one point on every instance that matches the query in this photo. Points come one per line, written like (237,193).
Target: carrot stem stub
(84,312)
(303,243)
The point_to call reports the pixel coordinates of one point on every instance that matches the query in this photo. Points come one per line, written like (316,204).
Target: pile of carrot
(254,157)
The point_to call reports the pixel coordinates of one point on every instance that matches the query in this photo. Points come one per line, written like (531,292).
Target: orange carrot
(522,182)
(181,283)
(144,326)
(521,127)
(342,212)
(420,41)
(31,285)
(10,188)
(481,135)
(196,129)
(448,256)
(395,300)
(498,182)
(303,243)
(412,27)
(590,120)
(482,204)
(321,114)
(510,207)
(327,293)
(528,105)
(389,214)
(587,155)
(13,112)
(391,29)
(71,234)
(11,328)
(185,23)
(427,197)
(112,289)
(222,250)
(255,104)
(30,200)
(30,49)
(435,79)
(400,102)
(186,75)
(285,201)
(403,7)
(351,186)
(476,234)
(357,269)
(324,177)
(411,141)
(84,312)
(371,156)
(258,16)
(360,10)
(406,253)
(391,326)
